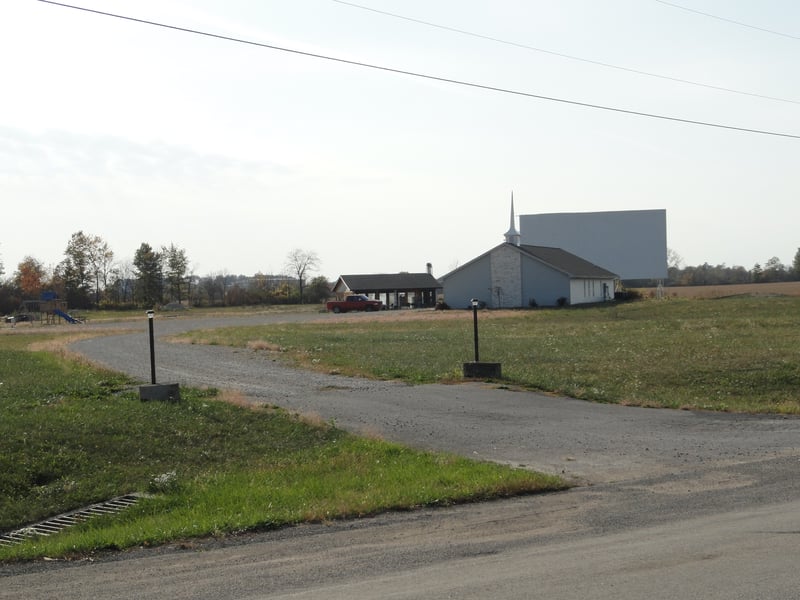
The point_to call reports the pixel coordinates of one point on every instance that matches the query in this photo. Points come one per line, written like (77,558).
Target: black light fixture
(150,315)
(475,303)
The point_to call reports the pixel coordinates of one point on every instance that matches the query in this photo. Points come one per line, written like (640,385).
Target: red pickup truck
(359,302)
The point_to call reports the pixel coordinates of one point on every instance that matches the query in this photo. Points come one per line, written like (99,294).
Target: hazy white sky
(239,153)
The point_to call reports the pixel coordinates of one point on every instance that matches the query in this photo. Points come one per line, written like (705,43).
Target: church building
(516,275)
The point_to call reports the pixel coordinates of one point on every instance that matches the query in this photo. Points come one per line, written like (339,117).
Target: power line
(740,23)
(567,56)
(422,75)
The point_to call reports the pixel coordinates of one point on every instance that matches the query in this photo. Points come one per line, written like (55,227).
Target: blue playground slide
(65,316)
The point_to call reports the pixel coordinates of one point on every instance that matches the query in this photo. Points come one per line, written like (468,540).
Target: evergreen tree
(149,277)
(756,273)
(318,289)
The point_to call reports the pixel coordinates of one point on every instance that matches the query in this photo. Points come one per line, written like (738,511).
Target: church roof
(569,263)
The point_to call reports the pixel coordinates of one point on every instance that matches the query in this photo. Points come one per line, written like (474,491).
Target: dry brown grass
(371,432)
(784,288)
(312,418)
(237,398)
(264,345)
(57,344)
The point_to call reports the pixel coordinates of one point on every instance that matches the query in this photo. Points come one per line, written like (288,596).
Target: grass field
(739,353)
(71,435)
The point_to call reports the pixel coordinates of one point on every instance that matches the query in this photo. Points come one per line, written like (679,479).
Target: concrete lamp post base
(482,370)
(160,391)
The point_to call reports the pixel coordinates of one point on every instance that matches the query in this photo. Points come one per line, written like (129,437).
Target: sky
(240,153)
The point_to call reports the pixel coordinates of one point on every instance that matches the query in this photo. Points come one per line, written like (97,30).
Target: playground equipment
(68,318)
(49,309)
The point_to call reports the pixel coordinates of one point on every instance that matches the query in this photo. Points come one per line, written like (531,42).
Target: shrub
(628,295)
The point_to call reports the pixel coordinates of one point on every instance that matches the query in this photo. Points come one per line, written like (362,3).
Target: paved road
(671,504)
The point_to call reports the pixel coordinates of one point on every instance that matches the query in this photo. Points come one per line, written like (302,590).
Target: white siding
(584,291)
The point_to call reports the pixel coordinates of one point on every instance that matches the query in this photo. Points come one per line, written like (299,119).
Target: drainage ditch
(61,522)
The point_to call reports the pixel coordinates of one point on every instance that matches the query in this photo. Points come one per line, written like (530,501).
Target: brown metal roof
(567,262)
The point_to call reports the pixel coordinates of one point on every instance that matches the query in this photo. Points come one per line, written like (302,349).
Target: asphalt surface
(668,504)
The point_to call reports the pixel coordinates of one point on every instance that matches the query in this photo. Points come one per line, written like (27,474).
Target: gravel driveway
(586,442)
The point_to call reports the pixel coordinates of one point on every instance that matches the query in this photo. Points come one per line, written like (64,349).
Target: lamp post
(474,302)
(157,391)
(476,368)
(150,315)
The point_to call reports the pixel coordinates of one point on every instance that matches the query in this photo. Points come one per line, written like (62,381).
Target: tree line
(772,270)
(89,277)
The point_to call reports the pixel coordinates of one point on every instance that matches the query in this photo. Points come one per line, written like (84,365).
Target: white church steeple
(512,235)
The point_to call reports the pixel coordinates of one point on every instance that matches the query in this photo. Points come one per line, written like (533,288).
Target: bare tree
(100,257)
(674,259)
(123,279)
(299,263)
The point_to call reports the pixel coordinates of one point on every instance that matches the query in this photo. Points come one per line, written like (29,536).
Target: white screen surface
(630,243)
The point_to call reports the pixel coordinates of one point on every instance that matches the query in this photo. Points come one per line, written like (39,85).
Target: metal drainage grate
(56,524)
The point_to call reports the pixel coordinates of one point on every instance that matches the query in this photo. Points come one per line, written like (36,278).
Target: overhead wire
(740,23)
(423,75)
(563,55)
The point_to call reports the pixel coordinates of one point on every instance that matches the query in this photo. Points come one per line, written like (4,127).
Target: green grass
(71,435)
(734,354)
